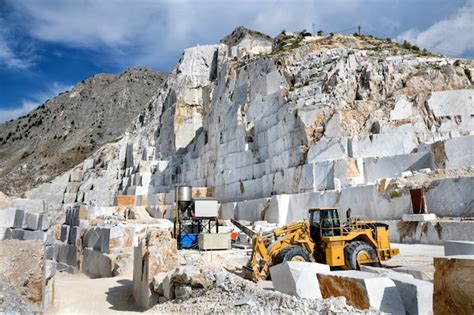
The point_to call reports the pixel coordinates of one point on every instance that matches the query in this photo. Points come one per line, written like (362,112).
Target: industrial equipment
(193,216)
(324,239)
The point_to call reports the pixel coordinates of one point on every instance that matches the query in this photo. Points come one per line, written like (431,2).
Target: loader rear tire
(355,250)
(292,253)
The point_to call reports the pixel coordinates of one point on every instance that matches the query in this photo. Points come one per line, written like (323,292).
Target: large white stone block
(31,205)
(419,217)
(11,217)
(452,103)
(97,264)
(403,110)
(459,152)
(420,272)
(31,221)
(362,290)
(298,278)
(452,248)
(451,196)
(5,233)
(278,210)
(417,295)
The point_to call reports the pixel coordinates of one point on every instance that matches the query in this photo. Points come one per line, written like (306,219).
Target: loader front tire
(292,253)
(356,251)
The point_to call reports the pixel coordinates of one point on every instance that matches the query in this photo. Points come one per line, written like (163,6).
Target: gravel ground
(10,300)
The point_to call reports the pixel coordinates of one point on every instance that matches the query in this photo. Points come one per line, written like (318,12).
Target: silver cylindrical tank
(184,193)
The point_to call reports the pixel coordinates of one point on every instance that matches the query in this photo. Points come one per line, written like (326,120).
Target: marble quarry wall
(273,135)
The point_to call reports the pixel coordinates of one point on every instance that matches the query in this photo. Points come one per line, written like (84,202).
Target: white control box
(205,208)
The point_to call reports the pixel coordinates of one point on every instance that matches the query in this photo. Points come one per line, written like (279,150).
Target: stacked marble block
(28,220)
(106,249)
(30,225)
(147,177)
(72,188)
(68,243)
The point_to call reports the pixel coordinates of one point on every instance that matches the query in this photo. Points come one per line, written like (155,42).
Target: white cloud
(153,33)
(21,58)
(32,102)
(451,36)
(149,32)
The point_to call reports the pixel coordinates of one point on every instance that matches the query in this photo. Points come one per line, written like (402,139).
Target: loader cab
(324,222)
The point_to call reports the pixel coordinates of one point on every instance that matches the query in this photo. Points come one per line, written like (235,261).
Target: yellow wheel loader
(324,239)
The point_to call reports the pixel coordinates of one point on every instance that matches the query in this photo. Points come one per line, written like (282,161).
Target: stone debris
(298,278)
(232,294)
(10,300)
(5,201)
(23,265)
(453,289)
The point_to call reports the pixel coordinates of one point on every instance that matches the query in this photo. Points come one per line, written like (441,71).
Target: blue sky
(48,46)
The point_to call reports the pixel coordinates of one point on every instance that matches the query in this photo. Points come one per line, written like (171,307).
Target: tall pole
(314,31)
(359,29)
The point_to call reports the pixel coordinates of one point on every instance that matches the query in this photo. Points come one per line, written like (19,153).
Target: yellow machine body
(322,239)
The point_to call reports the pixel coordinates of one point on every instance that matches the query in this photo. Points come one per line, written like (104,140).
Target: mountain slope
(65,130)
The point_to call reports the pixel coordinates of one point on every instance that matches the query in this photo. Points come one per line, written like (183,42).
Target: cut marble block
(453,285)
(458,248)
(44,222)
(64,235)
(362,290)
(421,217)
(11,217)
(420,272)
(417,295)
(31,221)
(97,264)
(5,233)
(67,255)
(31,205)
(298,278)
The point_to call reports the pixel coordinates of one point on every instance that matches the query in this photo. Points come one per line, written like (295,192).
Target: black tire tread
(351,251)
(288,252)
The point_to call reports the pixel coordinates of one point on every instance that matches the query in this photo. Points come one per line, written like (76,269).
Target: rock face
(453,285)
(65,130)
(336,121)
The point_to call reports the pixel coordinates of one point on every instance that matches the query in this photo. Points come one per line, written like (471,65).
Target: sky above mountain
(48,46)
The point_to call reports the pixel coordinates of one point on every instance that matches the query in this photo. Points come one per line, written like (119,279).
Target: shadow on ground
(120,296)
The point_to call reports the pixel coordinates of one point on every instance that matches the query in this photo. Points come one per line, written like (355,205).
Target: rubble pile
(232,294)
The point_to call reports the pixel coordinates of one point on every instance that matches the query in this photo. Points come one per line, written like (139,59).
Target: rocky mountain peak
(239,33)
(66,129)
